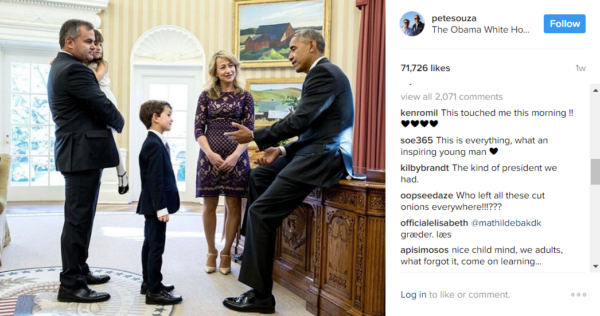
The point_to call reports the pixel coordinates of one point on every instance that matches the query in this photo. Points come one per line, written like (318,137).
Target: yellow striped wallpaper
(124,21)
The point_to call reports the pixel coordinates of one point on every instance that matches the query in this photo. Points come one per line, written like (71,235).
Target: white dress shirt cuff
(162,212)
(283,153)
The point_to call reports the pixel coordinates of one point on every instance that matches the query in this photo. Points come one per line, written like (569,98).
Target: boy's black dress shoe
(162,298)
(96,279)
(249,303)
(166,287)
(85,295)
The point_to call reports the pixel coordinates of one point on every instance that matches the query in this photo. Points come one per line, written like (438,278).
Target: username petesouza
(453,18)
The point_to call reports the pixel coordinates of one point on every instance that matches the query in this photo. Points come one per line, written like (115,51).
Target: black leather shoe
(85,295)
(166,287)
(162,298)
(249,303)
(96,279)
(123,188)
(238,257)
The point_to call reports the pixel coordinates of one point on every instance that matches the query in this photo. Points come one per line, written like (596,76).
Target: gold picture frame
(246,15)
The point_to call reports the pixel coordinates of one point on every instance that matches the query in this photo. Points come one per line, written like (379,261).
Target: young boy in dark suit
(159,198)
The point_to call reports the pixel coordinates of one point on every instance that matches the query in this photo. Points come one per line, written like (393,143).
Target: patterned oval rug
(33,292)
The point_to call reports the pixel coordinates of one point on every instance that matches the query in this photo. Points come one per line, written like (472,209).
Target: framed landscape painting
(263,28)
(273,99)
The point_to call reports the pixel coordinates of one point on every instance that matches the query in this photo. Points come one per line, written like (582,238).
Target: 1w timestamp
(424,68)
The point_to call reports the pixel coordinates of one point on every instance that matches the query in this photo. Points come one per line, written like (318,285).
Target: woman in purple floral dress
(223,165)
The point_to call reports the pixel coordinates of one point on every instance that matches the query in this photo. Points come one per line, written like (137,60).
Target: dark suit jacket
(418,29)
(323,123)
(81,112)
(159,187)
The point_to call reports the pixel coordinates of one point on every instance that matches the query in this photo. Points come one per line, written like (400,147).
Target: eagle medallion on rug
(33,292)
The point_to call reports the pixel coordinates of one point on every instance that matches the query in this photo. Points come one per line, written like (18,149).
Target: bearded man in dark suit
(84,146)
(321,156)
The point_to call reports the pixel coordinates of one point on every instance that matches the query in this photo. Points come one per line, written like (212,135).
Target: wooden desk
(331,250)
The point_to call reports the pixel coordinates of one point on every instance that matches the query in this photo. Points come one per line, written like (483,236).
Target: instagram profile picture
(412,23)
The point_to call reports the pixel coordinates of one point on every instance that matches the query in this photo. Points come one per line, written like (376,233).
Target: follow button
(564,23)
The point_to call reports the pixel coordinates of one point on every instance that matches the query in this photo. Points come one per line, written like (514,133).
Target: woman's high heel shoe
(208,268)
(226,270)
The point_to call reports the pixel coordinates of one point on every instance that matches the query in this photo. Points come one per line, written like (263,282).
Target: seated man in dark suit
(158,199)
(83,148)
(319,158)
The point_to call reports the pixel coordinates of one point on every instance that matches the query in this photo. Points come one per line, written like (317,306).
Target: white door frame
(172,52)
(23,53)
(143,75)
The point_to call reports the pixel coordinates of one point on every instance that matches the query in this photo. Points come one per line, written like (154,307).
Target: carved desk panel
(331,250)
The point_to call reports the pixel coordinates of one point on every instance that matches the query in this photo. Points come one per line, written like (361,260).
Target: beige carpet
(116,243)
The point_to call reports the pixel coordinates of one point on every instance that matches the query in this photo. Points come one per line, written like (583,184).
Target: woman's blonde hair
(213,86)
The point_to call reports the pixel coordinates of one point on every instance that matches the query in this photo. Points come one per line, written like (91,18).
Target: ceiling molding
(40,21)
(86,5)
